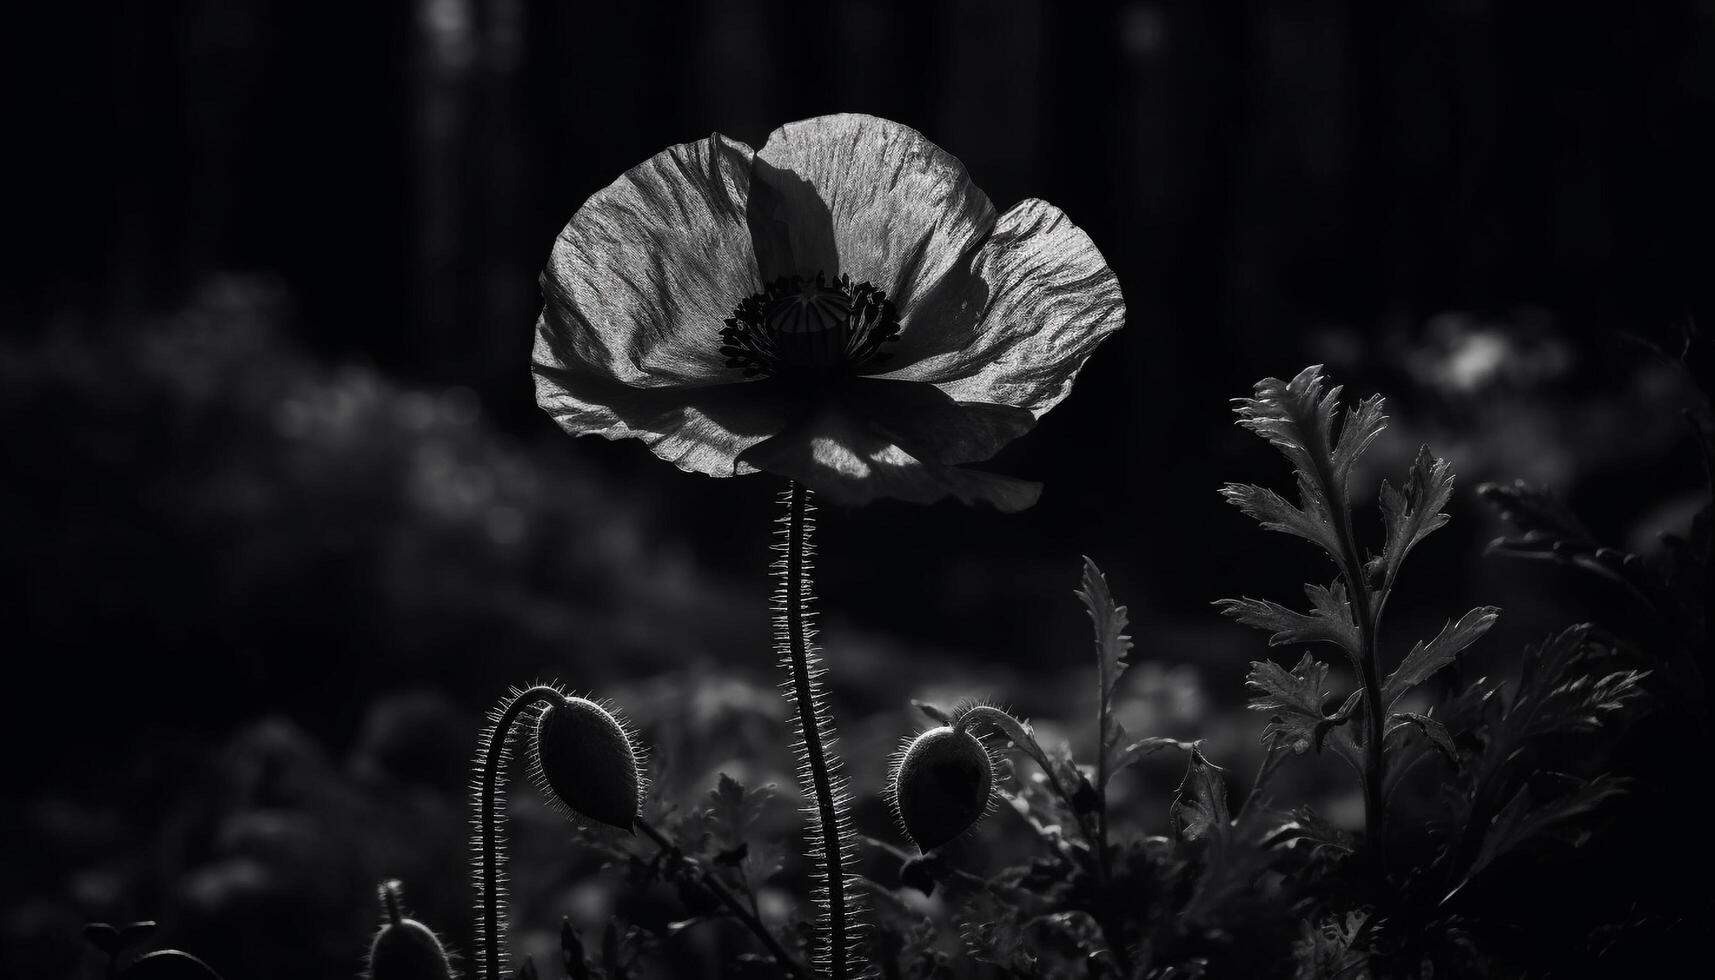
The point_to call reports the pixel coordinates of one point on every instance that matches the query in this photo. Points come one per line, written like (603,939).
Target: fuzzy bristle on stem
(493,756)
(832,848)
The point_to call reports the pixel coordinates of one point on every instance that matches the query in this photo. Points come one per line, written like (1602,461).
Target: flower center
(810,327)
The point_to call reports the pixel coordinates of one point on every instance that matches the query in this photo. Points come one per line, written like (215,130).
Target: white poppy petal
(848,461)
(924,421)
(893,208)
(1014,324)
(642,278)
(700,429)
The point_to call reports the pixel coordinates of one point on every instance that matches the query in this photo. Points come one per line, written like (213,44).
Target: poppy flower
(842,307)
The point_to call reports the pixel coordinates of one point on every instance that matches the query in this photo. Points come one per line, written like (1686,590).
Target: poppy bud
(405,949)
(583,759)
(942,785)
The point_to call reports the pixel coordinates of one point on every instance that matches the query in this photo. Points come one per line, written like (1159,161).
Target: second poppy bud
(942,785)
(584,759)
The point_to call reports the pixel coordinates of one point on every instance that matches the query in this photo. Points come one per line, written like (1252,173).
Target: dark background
(272,451)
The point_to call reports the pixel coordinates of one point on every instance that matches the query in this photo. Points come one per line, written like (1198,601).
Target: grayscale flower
(842,307)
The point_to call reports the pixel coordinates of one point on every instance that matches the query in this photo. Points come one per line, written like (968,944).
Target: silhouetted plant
(842,308)
(584,760)
(403,948)
(162,964)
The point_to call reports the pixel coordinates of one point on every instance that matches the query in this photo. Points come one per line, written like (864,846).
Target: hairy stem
(817,766)
(492,759)
(725,896)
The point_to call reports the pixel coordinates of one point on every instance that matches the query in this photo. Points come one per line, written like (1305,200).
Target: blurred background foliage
(281,518)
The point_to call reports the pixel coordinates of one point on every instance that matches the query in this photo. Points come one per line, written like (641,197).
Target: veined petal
(924,421)
(872,197)
(642,277)
(838,454)
(1015,324)
(701,429)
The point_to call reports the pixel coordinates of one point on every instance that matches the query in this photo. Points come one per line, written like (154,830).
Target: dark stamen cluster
(810,327)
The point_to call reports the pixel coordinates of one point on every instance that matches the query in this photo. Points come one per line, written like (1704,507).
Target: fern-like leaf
(1400,723)
(1427,658)
(1358,429)
(1276,513)
(1112,646)
(1525,819)
(1565,688)
(1329,620)
(1297,418)
(1409,515)
(1294,701)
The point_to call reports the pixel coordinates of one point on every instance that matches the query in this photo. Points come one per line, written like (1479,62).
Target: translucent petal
(701,429)
(1015,323)
(867,196)
(925,422)
(643,276)
(845,459)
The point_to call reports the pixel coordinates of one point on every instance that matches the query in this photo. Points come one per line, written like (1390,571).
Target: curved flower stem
(725,896)
(492,758)
(817,767)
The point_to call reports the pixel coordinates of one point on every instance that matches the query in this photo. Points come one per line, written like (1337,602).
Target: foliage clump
(1472,787)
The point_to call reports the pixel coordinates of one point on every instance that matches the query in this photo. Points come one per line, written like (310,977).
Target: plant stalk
(792,636)
(1366,612)
(488,928)
(725,896)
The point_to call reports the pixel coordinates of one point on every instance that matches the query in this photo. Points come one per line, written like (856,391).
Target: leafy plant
(1472,788)
(1302,419)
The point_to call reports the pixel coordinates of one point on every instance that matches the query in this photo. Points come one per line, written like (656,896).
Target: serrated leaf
(1276,513)
(1358,428)
(1432,729)
(1411,514)
(1143,748)
(1562,690)
(1536,510)
(1112,645)
(1293,699)
(1296,417)
(1303,829)
(1525,819)
(1199,809)
(1329,620)
(1427,658)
